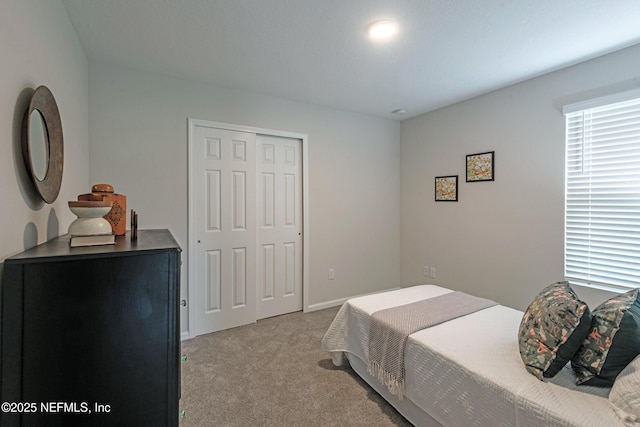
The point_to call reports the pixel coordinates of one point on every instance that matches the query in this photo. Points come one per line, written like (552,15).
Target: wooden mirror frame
(43,101)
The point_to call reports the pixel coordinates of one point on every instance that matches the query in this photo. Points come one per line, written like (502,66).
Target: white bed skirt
(407,408)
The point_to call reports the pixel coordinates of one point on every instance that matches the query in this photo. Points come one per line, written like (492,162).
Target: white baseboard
(337,302)
(314,307)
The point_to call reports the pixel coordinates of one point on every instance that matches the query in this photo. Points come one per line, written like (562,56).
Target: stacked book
(92,240)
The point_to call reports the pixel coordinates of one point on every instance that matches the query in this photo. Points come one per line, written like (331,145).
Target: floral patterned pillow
(552,329)
(614,341)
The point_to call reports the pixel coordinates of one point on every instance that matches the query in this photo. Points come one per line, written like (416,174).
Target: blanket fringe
(394,385)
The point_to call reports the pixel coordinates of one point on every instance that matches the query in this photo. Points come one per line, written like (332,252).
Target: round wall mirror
(42,144)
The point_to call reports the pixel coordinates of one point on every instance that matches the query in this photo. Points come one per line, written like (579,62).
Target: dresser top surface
(148,240)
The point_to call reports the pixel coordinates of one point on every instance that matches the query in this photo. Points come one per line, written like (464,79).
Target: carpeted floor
(273,373)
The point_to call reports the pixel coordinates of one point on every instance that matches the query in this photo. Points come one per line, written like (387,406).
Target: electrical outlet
(425,271)
(332,274)
(432,272)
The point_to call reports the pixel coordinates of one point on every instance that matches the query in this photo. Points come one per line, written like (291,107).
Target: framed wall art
(480,167)
(447,188)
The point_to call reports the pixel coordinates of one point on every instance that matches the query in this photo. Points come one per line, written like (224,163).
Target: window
(602,195)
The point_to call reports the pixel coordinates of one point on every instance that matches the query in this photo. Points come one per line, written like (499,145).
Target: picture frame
(480,167)
(446,188)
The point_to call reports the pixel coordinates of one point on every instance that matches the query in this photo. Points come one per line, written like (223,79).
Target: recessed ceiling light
(382,29)
(399,111)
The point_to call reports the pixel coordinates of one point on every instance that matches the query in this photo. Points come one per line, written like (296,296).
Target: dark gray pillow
(613,342)
(552,329)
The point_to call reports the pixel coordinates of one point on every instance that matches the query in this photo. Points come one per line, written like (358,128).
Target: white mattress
(468,371)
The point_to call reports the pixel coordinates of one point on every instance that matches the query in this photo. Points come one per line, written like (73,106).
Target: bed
(468,371)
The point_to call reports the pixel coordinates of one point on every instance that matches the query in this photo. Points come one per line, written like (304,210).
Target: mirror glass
(38,145)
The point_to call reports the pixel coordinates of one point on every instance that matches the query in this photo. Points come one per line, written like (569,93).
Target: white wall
(138,134)
(504,239)
(38,46)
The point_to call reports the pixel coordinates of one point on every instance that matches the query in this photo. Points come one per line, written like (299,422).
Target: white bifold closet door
(247,223)
(223,188)
(279,225)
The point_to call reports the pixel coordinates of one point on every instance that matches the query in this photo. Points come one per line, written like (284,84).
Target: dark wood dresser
(90,335)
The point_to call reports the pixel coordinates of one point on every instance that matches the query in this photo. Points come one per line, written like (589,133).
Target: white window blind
(602,205)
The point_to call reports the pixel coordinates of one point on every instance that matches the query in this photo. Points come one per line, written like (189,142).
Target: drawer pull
(182,414)
(183,302)
(183,357)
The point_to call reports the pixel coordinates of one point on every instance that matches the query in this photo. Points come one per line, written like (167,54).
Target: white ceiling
(316,51)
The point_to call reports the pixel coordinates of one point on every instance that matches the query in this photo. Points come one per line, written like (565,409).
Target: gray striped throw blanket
(390,328)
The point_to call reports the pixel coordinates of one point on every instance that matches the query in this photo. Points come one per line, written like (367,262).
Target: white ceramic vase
(90,219)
